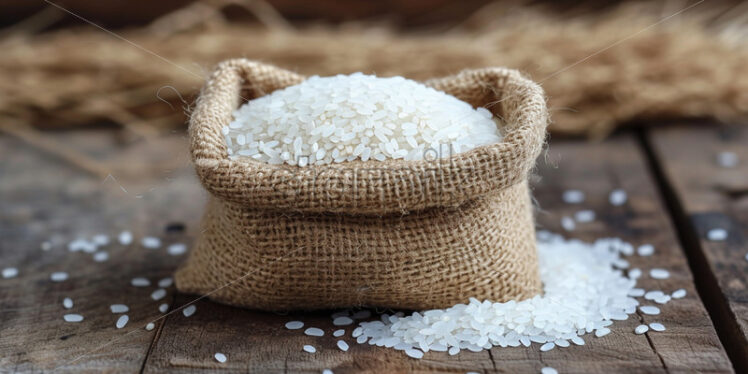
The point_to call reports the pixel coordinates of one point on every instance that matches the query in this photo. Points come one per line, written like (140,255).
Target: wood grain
(707,196)
(258,342)
(47,199)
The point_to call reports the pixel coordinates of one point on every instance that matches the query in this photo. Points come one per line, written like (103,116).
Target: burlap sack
(401,234)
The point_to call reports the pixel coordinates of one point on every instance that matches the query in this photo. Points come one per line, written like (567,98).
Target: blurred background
(137,66)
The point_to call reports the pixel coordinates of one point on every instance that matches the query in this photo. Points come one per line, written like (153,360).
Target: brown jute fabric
(402,234)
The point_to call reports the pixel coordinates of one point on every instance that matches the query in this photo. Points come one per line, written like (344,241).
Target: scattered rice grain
(73,318)
(166,282)
(294,325)
(140,282)
(343,345)
(716,235)
(177,249)
(59,276)
(573,196)
(310,349)
(657,326)
(119,308)
(313,331)
(618,197)
(151,242)
(645,250)
(679,294)
(641,329)
(584,216)
(125,238)
(10,273)
(189,310)
(158,294)
(399,118)
(659,273)
(101,256)
(122,321)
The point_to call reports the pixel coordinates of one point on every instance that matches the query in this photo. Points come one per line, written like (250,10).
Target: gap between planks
(724,321)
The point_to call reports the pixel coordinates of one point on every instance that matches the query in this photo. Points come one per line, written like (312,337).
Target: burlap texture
(401,234)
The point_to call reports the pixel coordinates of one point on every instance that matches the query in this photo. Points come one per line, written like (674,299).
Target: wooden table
(675,195)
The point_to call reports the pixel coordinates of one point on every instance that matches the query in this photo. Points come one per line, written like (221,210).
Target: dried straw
(599,69)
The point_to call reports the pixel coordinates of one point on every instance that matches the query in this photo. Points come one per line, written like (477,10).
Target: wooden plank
(707,196)
(46,199)
(257,341)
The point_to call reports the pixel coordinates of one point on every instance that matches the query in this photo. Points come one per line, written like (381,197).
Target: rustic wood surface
(152,188)
(705,196)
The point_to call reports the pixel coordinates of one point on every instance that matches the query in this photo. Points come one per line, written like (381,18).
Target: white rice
(567,223)
(101,256)
(189,311)
(659,273)
(150,326)
(294,325)
(220,357)
(140,282)
(573,196)
(176,249)
(548,370)
(67,303)
(100,239)
(343,346)
(584,216)
(645,250)
(716,234)
(313,331)
(583,294)
(59,276)
(10,273)
(727,159)
(125,238)
(338,333)
(657,326)
(641,329)
(73,318)
(649,309)
(158,294)
(326,120)
(309,348)
(81,244)
(163,308)
(119,308)
(635,273)
(122,321)
(679,294)
(151,242)
(166,282)
(618,197)
(654,294)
